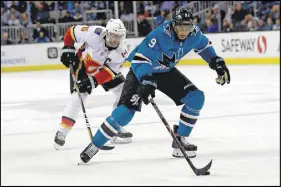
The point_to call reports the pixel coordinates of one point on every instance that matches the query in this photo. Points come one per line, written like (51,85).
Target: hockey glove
(68,56)
(148,86)
(87,84)
(219,66)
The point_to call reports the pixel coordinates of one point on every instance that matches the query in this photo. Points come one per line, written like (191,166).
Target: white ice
(238,128)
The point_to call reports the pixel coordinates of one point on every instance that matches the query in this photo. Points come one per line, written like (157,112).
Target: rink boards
(235,48)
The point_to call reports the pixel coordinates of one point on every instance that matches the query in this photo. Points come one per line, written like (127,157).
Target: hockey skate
(88,153)
(122,137)
(189,148)
(59,140)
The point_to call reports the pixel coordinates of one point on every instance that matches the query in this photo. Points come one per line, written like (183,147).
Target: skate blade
(177,153)
(57,146)
(121,141)
(81,163)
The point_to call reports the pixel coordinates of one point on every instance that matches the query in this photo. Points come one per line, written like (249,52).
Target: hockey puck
(207,173)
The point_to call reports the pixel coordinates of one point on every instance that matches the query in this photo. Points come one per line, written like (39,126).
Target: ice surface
(238,128)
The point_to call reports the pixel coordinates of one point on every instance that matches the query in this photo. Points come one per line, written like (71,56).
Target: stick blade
(204,170)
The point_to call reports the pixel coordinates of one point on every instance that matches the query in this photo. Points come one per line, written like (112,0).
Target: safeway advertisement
(244,45)
(258,44)
(252,44)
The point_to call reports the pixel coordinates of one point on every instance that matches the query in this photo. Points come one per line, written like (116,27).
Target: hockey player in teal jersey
(153,64)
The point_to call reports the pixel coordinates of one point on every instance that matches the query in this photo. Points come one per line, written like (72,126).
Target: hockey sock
(194,101)
(71,112)
(66,124)
(107,130)
(188,118)
(121,116)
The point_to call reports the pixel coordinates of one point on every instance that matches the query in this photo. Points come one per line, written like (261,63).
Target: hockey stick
(84,110)
(202,171)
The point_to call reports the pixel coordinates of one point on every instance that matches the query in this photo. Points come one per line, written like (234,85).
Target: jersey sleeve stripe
(199,51)
(104,75)
(142,56)
(140,62)
(109,71)
(105,65)
(72,33)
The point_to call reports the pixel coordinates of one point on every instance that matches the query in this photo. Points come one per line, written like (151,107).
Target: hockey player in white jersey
(97,62)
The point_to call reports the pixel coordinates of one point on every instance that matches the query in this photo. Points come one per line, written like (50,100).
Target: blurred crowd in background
(241,16)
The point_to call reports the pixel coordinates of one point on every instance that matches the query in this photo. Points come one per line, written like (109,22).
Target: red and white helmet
(115,32)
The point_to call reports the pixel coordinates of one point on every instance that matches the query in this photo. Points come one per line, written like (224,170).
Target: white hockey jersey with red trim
(98,60)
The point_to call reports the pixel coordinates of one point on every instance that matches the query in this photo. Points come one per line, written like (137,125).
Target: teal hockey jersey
(160,50)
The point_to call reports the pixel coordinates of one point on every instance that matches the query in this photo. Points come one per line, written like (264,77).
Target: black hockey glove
(148,87)
(219,66)
(87,84)
(68,56)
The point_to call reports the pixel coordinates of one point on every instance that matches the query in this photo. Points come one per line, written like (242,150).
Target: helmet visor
(184,27)
(113,40)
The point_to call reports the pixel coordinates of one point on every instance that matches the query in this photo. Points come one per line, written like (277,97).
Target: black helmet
(182,16)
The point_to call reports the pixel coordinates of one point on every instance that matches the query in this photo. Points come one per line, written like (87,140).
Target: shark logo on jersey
(166,60)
